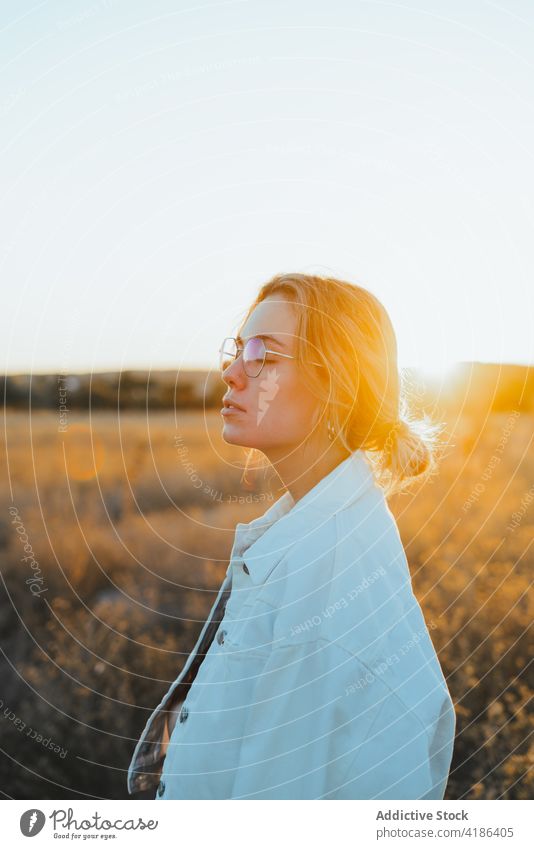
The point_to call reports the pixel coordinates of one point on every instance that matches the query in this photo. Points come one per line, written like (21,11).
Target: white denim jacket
(314,676)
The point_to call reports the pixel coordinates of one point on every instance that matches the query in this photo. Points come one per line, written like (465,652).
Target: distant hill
(473,388)
(124,389)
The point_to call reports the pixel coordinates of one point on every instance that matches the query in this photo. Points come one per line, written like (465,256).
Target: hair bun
(393,430)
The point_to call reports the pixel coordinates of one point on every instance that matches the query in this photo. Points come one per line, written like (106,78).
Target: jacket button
(161,788)
(220,637)
(245,568)
(184,714)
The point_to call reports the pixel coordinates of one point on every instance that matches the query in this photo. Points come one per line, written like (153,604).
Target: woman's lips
(229,411)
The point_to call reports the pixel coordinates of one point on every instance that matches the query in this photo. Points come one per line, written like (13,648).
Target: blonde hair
(363,396)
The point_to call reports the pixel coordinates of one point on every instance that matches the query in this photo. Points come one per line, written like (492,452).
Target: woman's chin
(234,435)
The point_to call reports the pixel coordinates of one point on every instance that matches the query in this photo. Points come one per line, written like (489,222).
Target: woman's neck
(299,472)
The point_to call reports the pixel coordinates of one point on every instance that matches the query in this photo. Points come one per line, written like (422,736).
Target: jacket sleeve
(315,729)
(399,758)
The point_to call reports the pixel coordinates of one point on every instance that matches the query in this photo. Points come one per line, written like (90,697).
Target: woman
(314,676)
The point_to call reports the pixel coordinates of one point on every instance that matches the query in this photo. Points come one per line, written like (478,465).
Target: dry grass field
(129,525)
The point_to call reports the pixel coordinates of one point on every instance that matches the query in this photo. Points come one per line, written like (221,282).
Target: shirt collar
(262,543)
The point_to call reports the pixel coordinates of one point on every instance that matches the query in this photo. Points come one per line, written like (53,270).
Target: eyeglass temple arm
(279,354)
(290,356)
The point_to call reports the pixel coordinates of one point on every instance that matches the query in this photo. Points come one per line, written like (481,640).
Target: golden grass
(131,521)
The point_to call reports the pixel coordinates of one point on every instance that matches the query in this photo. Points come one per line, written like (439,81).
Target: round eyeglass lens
(253,356)
(228,353)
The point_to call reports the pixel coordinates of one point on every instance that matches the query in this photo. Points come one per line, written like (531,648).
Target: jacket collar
(267,538)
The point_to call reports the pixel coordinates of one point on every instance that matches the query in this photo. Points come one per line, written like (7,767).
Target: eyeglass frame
(239,351)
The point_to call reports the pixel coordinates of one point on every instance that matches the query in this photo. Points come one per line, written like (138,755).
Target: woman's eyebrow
(262,336)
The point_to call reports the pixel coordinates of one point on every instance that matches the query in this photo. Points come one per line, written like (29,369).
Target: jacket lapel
(346,483)
(287,523)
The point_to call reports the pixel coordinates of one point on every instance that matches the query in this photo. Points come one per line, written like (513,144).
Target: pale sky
(160,160)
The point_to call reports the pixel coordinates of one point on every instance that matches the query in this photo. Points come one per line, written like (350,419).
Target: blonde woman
(314,676)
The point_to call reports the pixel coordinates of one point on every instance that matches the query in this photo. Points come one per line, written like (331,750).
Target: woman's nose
(235,374)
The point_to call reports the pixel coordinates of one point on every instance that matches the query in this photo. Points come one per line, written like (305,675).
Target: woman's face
(278,409)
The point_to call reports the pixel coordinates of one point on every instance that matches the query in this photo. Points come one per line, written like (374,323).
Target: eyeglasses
(254,353)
